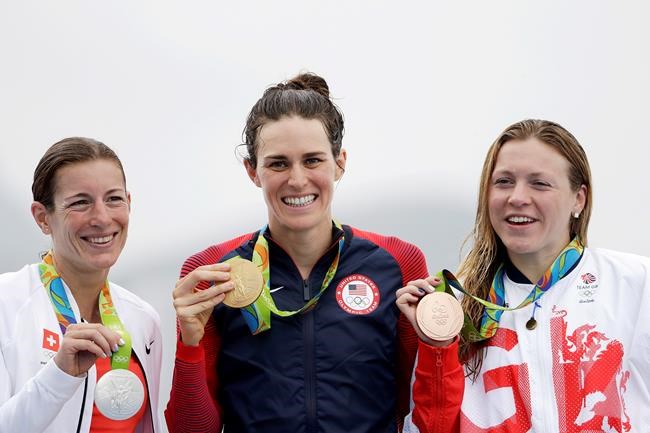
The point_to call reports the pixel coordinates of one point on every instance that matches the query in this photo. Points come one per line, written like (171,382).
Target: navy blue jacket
(343,366)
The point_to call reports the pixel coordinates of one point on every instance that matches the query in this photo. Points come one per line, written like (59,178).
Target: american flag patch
(357,289)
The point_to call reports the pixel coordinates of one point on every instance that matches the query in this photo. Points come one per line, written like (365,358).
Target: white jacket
(585,367)
(35,395)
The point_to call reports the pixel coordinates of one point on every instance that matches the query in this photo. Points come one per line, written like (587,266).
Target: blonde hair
(487,252)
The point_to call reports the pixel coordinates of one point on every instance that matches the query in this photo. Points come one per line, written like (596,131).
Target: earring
(576,215)
(45,229)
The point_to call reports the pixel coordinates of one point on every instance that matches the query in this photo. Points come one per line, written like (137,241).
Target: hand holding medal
(194,306)
(435,314)
(82,344)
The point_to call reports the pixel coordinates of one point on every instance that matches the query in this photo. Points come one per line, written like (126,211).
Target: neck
(85,288)
(304,247)
(532,267)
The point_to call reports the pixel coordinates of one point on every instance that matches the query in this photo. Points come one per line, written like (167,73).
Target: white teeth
(102,240)
(299,201)
(520,219)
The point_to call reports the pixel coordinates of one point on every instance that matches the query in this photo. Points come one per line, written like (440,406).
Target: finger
(99,335)
(434,280)
(198,308)
(201,296)
(189,282)
(408,298)
(82,345)
(414,290)
(422,284)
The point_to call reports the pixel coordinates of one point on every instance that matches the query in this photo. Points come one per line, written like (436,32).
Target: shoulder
(128,299)
(21,295)
(395,246)
(409,257)
(20,284)
(624,265)
(214,253)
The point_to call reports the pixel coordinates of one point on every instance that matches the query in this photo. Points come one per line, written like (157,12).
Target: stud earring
(576,215)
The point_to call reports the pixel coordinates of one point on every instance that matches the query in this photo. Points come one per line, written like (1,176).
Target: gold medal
(440,316)
(248,283)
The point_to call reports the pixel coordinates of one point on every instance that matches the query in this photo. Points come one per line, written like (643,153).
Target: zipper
(310,368)
(83,404)
(146,385)
(439,396)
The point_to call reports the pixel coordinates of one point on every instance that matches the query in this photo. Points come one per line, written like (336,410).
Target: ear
(340,164)
(581,199)
(252,173)
(39,212)
(128,200)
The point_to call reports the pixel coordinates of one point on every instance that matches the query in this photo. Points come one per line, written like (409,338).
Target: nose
(519,196)
(100,214)
(298,176)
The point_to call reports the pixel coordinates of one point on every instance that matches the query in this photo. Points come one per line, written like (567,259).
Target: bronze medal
(440,316)
(248,283)
(531,324)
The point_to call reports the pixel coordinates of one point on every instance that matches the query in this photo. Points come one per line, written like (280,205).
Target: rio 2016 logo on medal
(357,294)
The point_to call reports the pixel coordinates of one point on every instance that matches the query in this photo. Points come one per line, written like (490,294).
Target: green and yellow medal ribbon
(56,292)
(258,314)
(495,305)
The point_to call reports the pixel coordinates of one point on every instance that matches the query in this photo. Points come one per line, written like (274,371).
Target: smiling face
(90,216)
(531,201)
(296,171)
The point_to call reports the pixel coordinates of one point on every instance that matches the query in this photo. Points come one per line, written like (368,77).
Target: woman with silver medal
(70,339)
(555,336)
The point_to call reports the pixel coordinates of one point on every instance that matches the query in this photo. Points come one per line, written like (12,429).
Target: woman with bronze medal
(293,328)
(77,352)
(555,336)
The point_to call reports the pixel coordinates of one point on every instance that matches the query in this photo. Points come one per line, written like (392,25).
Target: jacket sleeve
(437,391)
(413,266)
(38,402)
(193,405)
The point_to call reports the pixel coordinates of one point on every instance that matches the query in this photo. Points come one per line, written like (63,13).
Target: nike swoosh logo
(147,348)
(276,289)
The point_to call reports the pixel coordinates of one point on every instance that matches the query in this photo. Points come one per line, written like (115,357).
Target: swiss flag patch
(50,340)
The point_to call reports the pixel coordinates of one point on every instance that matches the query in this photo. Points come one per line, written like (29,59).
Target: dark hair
(306,95)
(65,152)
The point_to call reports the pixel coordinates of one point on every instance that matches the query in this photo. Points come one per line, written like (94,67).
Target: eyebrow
(306,155)
(86,195)
(511,173)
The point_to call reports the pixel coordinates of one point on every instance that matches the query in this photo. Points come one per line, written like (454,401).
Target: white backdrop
(425,87)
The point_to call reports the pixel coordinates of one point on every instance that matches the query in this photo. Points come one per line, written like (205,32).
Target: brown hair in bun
(307,95)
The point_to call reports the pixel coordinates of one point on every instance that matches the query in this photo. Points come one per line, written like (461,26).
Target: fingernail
(121,342)
(115,348)
(421,290)
(431,289)
(103,355)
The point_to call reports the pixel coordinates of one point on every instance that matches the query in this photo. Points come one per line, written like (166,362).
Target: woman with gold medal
(76,350)
(293,328)
(556,336)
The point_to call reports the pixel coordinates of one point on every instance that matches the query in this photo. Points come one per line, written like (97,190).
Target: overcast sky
(424,86)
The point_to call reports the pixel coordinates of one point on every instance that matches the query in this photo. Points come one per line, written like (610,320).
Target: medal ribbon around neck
(258,314)
(54,286)
(495,305)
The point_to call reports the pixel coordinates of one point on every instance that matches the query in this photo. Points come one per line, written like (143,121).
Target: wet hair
(479,267)
(307,96)
(61,154)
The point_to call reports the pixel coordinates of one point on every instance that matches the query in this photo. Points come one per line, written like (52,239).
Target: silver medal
(119,394)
